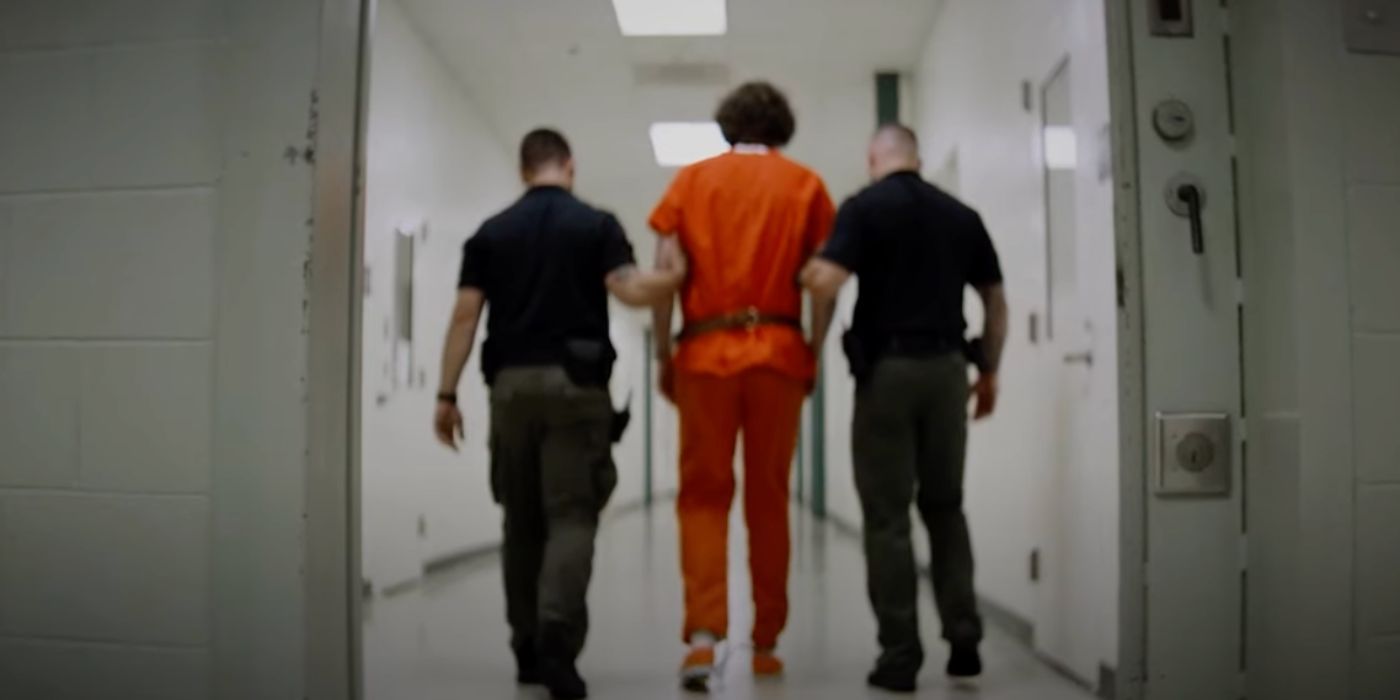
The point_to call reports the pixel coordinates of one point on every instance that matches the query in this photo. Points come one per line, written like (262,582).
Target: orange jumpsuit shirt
(748,223)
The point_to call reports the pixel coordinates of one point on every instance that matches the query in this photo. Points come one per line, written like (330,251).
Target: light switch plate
(1373,26)
(1194,454)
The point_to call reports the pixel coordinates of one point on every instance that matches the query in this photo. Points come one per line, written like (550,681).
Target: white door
(1180,364)
(1074,565)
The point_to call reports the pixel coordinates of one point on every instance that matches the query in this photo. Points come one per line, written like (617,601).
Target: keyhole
(1195,453)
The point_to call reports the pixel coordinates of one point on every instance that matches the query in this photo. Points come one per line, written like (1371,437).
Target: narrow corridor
(447,639)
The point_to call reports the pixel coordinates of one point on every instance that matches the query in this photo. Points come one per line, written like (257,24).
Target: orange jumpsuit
(747,222)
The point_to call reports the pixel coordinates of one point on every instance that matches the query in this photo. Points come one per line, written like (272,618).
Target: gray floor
(447,638)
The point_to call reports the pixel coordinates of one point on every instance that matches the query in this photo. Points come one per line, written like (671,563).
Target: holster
(621,419)
(589,363)
(857,356)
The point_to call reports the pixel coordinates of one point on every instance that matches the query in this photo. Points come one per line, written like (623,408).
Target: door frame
(1132,342)
(333,663)
(334,656)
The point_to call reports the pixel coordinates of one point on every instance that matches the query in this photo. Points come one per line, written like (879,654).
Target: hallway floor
(447,638)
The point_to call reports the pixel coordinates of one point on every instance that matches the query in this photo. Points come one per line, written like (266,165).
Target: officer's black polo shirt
(541,264)
(914,248)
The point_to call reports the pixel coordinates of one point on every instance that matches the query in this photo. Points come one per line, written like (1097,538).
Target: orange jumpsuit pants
(766,406)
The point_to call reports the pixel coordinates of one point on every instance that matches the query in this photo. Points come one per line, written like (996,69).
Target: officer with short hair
(915,249)
(546,266)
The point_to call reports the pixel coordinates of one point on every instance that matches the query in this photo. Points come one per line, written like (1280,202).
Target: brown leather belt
(748,319)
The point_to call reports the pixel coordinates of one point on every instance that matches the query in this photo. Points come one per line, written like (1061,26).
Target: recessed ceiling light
(1061,148)
(682,143)
(672,17)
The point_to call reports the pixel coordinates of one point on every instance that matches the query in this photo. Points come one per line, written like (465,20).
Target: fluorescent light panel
(678,144)
(1061,148)
(672,17)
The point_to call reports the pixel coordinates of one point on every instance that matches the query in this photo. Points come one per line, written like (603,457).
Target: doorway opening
(1023,138)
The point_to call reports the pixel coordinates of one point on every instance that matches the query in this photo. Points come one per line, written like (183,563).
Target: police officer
(915,249)
(546,265)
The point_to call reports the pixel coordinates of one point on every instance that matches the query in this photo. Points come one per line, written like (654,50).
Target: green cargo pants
(552,473)
(909,440)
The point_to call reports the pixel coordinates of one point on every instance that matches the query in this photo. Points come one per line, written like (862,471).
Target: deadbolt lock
(1193,455)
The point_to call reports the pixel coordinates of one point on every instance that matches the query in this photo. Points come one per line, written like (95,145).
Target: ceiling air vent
(684,74)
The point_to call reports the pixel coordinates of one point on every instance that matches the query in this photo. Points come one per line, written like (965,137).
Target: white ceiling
(564,63)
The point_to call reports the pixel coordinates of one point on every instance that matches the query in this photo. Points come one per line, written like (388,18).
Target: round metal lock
(1175,202)
(1174,121)
(1195,453)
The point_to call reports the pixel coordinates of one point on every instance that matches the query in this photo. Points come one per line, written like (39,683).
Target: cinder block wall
(153,232)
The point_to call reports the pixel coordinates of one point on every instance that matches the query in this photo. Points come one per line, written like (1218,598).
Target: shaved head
(894,148)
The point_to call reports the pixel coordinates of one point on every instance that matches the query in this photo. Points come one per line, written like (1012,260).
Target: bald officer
(915,249)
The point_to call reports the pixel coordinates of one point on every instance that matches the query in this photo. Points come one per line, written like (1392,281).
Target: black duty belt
(919,346)
(748,319)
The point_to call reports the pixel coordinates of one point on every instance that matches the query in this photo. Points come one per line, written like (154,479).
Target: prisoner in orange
(747,220)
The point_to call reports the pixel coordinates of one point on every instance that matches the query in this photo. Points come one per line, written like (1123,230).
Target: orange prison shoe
(766,663)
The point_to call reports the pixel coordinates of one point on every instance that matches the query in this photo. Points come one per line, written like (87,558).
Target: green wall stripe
(886,98)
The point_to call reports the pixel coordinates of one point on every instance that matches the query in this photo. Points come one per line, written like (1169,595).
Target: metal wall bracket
(1171,18)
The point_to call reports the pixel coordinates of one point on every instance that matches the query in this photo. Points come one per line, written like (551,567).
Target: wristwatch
(448,397)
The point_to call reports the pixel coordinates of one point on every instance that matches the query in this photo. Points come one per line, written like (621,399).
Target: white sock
(703,640)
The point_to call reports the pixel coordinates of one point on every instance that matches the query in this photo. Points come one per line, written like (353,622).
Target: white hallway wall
(835,122)
(1020,498)
(152,347)
(433,158)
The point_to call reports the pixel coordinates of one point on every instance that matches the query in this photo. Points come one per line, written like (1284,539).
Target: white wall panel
(39,392)
(1378,674)
(35,670)
(131,569)
(147,418)
(45,127)
(1376,384)
(112,266)
(4,255)
(1373,213)
(56,24)
(1378,562)
(156,116)
(1373,120)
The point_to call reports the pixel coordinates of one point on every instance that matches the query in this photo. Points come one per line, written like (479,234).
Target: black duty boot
(895,680)
(965,662)
(563,680)
(556,664)
(527,666)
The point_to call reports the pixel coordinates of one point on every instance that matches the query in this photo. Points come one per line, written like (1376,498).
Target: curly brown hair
(756,112)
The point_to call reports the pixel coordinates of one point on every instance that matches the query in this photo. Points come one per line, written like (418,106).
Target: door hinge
(1244,553)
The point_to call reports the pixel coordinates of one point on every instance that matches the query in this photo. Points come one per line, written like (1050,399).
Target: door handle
(1192,196)
(1080,358)
(1186,197)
